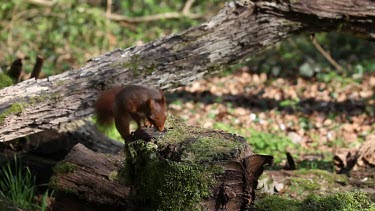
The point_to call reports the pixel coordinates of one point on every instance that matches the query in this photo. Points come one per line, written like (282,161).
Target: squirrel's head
(158,112)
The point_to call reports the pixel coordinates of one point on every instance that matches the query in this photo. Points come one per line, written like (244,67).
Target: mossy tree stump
(185,168)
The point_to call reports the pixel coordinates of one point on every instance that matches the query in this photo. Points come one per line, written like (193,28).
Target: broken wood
(290,164)
(15,70)
(37,67)
(347,160)
(185,168)
(240,30)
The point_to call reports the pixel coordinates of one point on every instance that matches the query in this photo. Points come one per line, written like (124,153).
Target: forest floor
(309,118)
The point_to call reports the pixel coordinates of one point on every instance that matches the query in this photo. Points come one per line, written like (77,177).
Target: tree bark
(87,175)
(239,30)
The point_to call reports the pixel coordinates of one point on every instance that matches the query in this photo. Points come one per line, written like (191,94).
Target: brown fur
(133,102)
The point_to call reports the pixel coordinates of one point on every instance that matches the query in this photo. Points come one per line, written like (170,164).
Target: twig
(186,9)
(149,18)
(116,17)
(108,12)
(109,8)
(44,3)
(325,54)
(37,67)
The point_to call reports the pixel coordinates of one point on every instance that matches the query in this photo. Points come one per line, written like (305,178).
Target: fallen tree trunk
(88,175)
(241,29)
(183,169)
(40,152)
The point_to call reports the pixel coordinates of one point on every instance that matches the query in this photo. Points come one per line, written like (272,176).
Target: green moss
(335,201)
(327,176)
(64,167)
(219,149)
(304,184)
(187,176)
(56,97)
(168,185)
(197,141)
(339,201)
(5,80)
(179,131)
(15,108)
(53,182)
(137,65)
(61,168)
(60,82)
(18,107)
(275,203)
(113,175)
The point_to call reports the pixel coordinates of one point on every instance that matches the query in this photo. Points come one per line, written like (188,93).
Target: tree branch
(43,3)
(186,9)
(325,54)
(149,18)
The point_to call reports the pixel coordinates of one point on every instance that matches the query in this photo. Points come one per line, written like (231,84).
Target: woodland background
(289,98)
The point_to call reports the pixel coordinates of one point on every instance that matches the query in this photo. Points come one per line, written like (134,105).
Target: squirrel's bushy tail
(104,106)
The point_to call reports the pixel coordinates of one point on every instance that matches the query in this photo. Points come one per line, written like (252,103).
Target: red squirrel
(132,102)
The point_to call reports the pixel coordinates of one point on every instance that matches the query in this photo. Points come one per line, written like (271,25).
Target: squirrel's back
(104,106)
(133,98)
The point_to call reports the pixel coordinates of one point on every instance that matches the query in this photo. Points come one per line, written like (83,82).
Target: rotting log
(240,30)
(87,175)
(185,168)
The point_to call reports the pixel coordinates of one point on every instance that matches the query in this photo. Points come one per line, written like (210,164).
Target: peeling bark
(238,31)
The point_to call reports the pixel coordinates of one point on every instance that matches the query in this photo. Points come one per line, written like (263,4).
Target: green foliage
(70,32)
(269,143)
(18,185)
(298,54)
(5,80)
(44,203)
(343,201)
(262,142)
(109,130)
